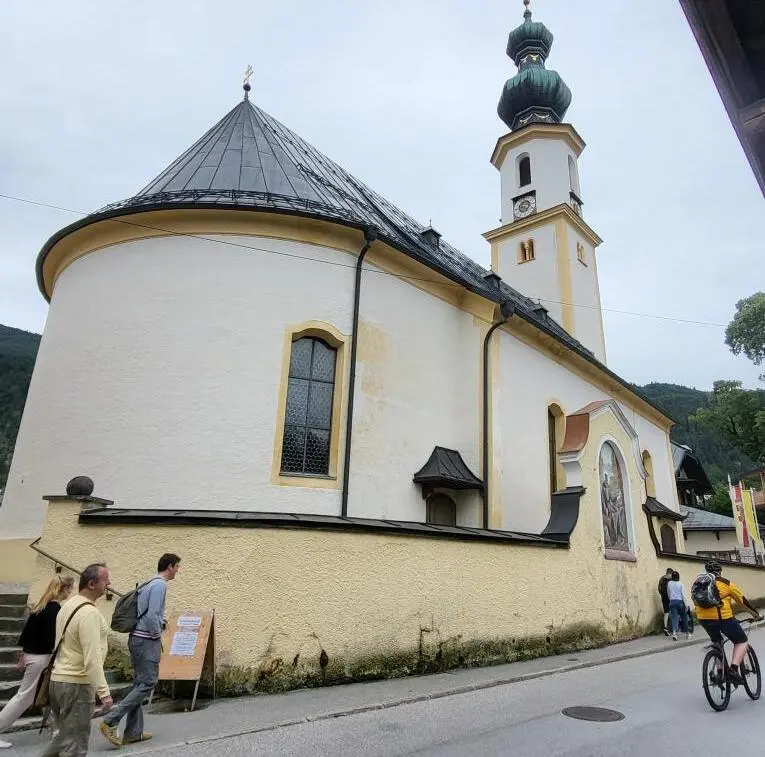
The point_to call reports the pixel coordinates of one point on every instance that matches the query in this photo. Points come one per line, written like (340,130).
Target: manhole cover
(595,714)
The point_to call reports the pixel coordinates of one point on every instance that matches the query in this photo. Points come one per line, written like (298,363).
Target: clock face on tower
(524,206)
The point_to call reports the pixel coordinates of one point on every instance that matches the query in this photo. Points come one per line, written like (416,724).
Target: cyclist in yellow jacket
(720,621)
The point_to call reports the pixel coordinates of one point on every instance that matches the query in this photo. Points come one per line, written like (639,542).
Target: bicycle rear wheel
(715,680)
(752,675)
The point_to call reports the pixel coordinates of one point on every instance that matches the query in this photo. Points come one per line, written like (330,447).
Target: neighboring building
(690,477)
(731,35)
(710,534)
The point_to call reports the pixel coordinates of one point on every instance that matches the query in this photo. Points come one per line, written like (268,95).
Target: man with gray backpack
(141,613)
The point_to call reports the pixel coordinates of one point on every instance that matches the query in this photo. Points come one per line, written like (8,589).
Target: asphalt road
(660,696)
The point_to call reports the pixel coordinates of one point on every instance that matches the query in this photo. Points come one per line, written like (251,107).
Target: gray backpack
(125,616)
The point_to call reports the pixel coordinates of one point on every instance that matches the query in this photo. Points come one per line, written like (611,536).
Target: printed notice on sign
(183,644)
(189,621)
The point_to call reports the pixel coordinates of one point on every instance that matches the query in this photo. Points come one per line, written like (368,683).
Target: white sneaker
(5,745)
(674,637)
(688,635)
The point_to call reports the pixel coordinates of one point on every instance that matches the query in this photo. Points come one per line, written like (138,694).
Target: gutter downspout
(506,312)
(370,235)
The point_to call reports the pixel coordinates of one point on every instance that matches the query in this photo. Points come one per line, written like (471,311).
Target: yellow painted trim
(540,219)
(199,222)
(339,341)
(565,287)
(600,304)
(537,131)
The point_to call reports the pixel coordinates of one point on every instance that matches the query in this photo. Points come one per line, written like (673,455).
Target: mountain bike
(715,674)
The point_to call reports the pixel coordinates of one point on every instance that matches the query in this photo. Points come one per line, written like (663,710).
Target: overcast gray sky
(97,98)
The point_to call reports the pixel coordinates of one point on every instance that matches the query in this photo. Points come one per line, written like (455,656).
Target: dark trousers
(145,654)
(678,615)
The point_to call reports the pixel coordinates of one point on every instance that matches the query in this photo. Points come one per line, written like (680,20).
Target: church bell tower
(544,248)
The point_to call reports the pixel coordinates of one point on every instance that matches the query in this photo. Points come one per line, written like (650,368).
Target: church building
(336,417)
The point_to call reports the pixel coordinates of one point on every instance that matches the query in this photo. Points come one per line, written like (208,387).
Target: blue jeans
(677,612)
(145,654)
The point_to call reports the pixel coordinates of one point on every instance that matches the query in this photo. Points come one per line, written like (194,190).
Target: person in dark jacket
(36,642)
(663,581)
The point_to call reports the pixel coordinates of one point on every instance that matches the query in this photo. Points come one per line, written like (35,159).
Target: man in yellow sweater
(78,671)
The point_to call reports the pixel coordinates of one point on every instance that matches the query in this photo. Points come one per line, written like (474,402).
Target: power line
(229,243)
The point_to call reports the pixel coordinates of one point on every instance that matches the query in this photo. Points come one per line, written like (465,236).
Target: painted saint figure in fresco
(612,500)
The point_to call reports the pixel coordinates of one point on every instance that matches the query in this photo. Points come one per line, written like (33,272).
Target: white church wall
(549,174)
(159,372)
(418,378)
(538,278)
(528,382)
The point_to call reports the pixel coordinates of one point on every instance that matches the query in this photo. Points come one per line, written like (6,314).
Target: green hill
(17,358)
(718,456)
(19,348)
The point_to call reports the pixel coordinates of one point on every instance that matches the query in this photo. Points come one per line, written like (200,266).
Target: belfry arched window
(524,170)
(308,418)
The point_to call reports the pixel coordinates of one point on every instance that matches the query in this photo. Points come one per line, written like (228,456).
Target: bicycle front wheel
(752,675)
(715,680)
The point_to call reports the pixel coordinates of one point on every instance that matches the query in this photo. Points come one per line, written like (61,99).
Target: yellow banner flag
(739,515)
(751,518)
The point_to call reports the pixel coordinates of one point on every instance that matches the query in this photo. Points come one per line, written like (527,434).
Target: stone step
(8,639)
(9,672)
(9,654)
(8,689)
(11,625)
(13,599)
(34,717)
(13,611)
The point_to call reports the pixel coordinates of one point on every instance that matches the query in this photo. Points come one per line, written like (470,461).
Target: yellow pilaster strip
(564,275)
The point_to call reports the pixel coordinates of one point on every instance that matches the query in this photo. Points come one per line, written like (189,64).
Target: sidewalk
(229,717)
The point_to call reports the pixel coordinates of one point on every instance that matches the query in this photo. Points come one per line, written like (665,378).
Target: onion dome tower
(535,94)
(544,248)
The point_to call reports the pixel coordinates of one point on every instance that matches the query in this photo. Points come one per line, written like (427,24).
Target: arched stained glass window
(308,421)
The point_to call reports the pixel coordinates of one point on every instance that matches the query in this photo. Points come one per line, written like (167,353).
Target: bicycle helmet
(713,567)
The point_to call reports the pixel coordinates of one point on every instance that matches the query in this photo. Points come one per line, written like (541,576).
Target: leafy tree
(746,332)
(720,502)
(739,415)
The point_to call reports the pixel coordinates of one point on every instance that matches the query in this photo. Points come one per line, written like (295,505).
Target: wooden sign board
(188,648)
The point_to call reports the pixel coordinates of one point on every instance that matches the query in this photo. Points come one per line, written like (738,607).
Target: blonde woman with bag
(36,642)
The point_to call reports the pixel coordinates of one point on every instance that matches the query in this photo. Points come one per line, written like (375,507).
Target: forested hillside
(718,456)
(17,357)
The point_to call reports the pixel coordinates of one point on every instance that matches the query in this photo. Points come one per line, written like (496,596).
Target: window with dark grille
(308,419)
(524,171)
(441,510)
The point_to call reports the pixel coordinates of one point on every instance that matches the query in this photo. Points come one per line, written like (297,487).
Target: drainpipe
(370,234)
(506,311)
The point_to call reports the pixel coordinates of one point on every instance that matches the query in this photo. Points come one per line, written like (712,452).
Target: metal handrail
(55,560)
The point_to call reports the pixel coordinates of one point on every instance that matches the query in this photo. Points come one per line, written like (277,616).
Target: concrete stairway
(13,615)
